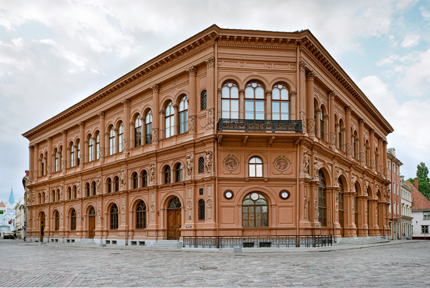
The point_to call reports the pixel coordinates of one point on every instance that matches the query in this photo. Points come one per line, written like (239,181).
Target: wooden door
(42,226)
(91,226)
(173,224)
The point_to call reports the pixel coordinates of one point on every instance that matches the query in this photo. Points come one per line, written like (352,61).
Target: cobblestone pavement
(405,264)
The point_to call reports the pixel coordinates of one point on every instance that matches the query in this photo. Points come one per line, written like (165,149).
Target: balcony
(273,126)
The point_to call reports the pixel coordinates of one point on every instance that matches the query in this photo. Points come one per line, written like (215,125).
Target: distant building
(394,210)
(7,219)
(420,213)
(406,212)
(20,218)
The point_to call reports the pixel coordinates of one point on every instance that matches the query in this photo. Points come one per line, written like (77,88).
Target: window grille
(201,209)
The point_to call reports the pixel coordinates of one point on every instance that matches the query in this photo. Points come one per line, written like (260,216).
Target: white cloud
(411,40)
(409,120)
(425,13)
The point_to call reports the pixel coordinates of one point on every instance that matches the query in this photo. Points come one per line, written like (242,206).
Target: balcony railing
(257,241)
(260,125)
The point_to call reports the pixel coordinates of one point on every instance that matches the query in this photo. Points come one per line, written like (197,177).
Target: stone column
(155,117)
(332,130)
(302,94)
(313,204)
(348,132)
(49,156)
(348,207)
(310,121)
(94,147)
(175,119)
(372,150)
(162,133)
(361,225)
(86,149)
(293,108)
(241,104)
(269,105)
(192,101)
(384,158)
(31,162)
(318,123)
(126,119)
(102,137)
(372,217)
(82,143)
(219,99)
(36,161)
(361,143)
(210,83)
(64,152)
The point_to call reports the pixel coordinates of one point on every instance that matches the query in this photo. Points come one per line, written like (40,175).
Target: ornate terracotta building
(231,132)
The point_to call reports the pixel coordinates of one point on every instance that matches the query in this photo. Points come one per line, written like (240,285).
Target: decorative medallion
(190,205)
(281,163)
(152,207)
(231,162)
(209,203)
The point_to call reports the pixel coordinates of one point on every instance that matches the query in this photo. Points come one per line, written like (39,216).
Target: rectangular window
(424,229)
(426,216)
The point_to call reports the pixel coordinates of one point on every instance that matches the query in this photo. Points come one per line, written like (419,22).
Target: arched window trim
(148,130)
(322,200)
(98,145)
(183,115)
(255,167)
(141,215)
(280,102)
(57,221)
(111,141)
(255,101)
(109,185)
(116,183)
(230,100)
(135,180)
(144,178)
(137,131)
(113,213)
(167,174)
(201,165)
(169,120)
(120,137)
(201,210)
(90,148)
(73,220)
(87,190)
(203,100)
(258,216)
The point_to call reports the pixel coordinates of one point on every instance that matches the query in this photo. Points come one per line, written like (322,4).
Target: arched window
(111,141)
(57,221)
(57,167)
(322,123)
(340,203)
(120,137)
(354,147)
(135,180)
(201,165)
(39,199)
(322,203)
(53,195)
(69,193)
(280,102)
(148,123)
(166,174)
(73,220)
(60,155)
(230,101)
(203,100)
(178,172)
(183,115)
(254,101)
(169,119)
(141,215)
(255,211)
(72,155)
(144,178)
(109,185)
(137,131)
(366,148)
(174,203)
(43,165)
(78,151)
(201,209)
(116,181)
(114,217)
(97,146)
(255,167)
(75,192)
(58,195)
(87,189)
(93,184)
(90,148)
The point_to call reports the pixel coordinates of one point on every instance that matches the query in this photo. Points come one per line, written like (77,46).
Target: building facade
(406,212)
(20,218)
(420,213)
(229,133)
(395,211)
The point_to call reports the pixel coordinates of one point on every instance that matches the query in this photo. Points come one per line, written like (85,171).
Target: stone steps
(362,240)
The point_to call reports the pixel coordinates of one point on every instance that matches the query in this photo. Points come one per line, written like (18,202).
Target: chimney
(416,183)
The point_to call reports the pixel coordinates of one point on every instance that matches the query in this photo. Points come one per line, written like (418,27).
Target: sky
(55,53)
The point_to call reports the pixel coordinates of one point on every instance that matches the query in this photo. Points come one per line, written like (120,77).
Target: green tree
(423,179)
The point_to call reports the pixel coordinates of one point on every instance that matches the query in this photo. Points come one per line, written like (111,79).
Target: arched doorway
(42,225)
(341,208)
(174,219)
(91,223)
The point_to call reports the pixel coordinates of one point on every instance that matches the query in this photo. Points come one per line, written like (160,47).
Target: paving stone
(402,264)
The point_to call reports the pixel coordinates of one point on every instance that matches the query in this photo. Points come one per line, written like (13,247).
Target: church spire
(11,198)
